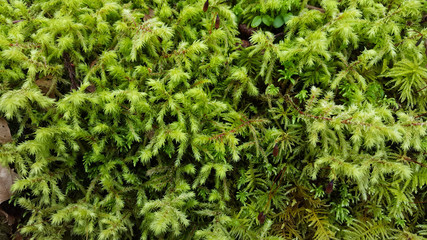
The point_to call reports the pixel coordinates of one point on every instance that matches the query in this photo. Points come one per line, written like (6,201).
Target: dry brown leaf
(246,31)
(18,236)
(9,218)
(7,177)
(5,135)
(91,88)
(245,44)
(45,84)
(425,44)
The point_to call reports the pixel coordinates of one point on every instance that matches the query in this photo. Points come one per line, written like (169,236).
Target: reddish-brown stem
(315,8)
(413,161)
(213,22)
(419,90)
(421,115)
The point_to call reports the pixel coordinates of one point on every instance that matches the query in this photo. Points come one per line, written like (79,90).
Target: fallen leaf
(91,88)
(45,86)
(246,31)
(9,218)
(425,44)
(245,44)
(5,135)
(18,236)
(7,177)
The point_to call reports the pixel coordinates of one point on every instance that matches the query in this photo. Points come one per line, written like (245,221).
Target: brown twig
(69,66)
(415,124)
(315,8)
